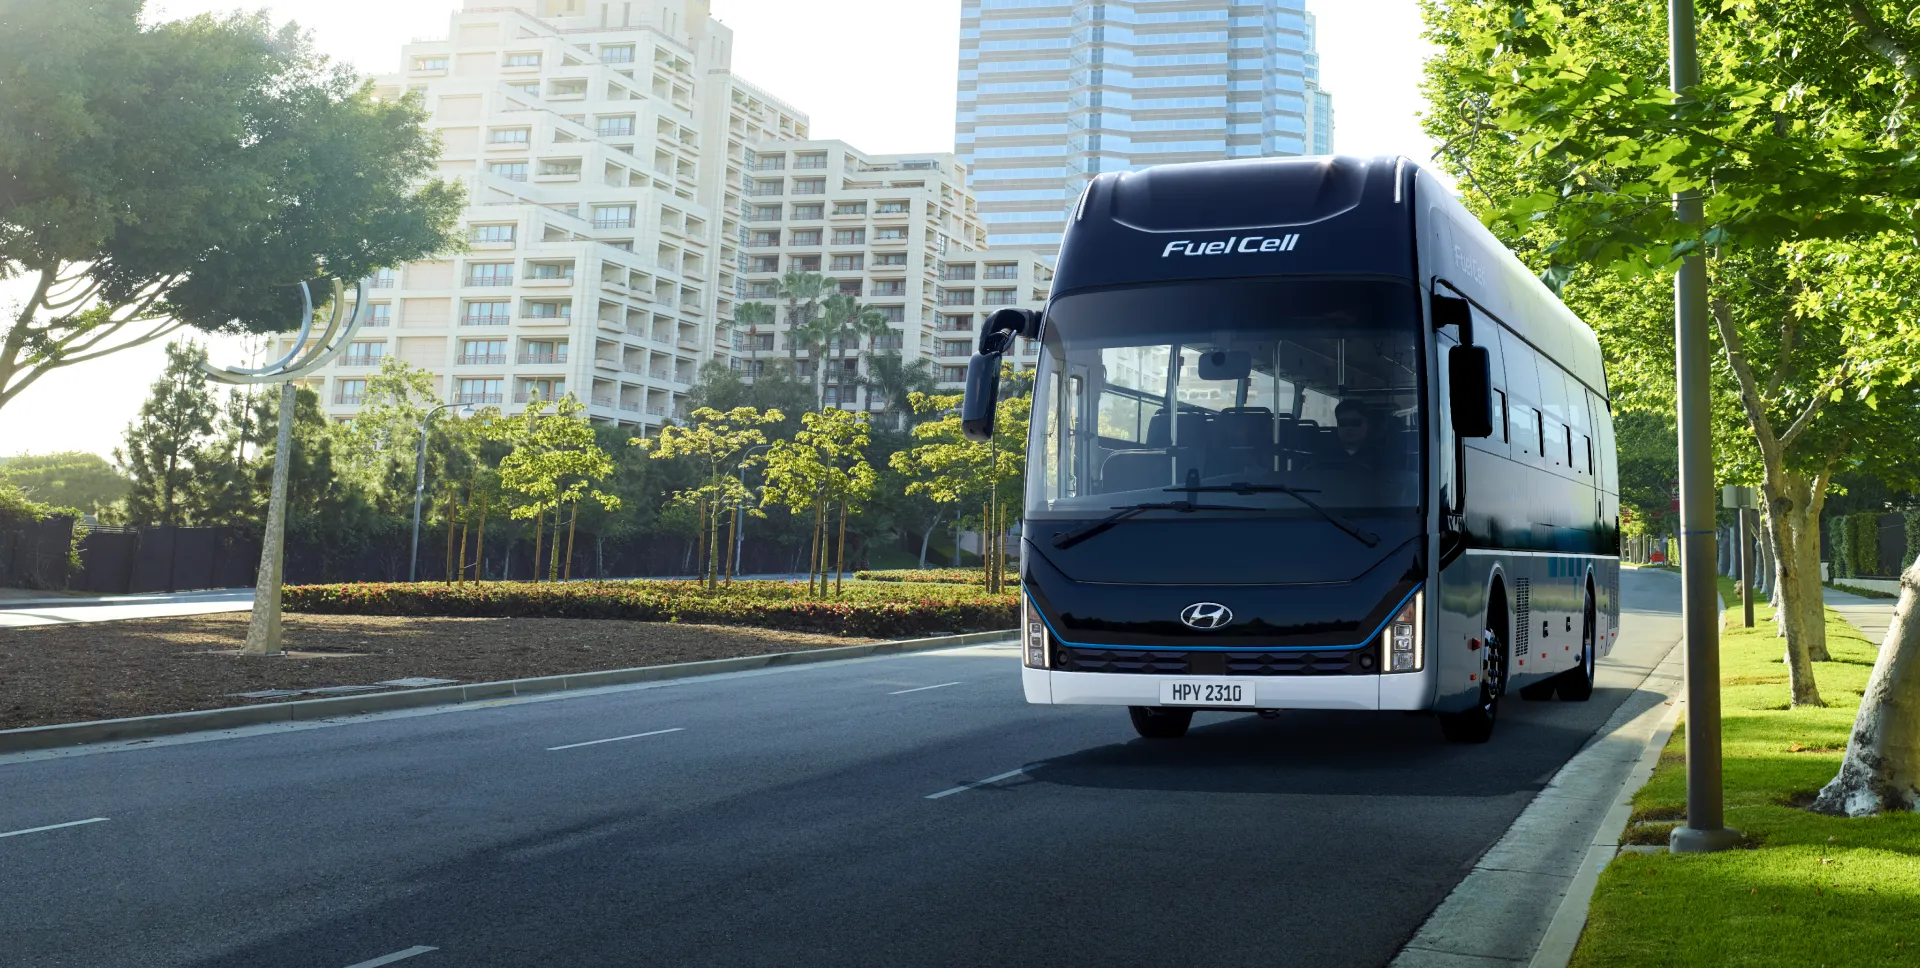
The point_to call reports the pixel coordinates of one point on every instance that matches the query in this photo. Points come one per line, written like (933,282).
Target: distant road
(905,811)
(19,613)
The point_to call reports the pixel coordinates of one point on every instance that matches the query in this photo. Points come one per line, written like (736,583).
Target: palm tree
(754,315)
(857,322)
(803,292)
(894,380)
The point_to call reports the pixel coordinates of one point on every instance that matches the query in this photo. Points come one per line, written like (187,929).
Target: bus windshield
(1308,384)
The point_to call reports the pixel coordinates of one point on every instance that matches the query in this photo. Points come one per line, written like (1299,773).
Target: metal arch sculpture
(263,626)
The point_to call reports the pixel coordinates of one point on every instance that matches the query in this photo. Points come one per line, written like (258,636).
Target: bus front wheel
(1159,722)
(1475,725)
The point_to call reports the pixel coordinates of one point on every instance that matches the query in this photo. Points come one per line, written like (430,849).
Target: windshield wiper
(1070,538)
(1359,534)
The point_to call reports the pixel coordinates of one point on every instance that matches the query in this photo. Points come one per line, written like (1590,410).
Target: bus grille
(1360,661)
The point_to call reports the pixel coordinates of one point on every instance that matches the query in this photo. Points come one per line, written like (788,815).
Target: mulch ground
(107,670)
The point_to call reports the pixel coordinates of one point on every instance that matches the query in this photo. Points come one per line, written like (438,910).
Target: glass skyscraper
(1053,92)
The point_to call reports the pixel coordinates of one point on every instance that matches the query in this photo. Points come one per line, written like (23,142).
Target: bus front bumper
(1399,691)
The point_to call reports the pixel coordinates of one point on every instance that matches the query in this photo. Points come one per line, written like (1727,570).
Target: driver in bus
(1356,442)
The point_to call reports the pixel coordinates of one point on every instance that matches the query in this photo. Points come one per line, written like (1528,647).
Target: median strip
(922,688)
(615,739)
(964,787)
(418,949)
(54,826)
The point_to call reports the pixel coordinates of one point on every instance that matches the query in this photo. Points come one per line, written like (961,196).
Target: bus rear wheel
(1160,722)
(1475,725)
(1577,684)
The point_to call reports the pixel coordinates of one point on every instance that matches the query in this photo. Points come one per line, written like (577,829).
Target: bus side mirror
(983,397)
(1452,311)
(1470,390)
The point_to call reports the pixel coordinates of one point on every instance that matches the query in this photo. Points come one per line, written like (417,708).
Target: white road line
(923,689)
(596,742)
(964,787)
(418,949)
(54,826)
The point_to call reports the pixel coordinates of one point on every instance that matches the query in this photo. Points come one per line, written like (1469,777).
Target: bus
(1305,435)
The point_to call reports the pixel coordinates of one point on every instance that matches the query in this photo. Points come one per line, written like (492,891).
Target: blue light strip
(1369,640)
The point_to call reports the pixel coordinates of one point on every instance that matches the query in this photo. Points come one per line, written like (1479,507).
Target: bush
(1863,540)
(863,611)
(1839,552)
(1913,539)
(927,576)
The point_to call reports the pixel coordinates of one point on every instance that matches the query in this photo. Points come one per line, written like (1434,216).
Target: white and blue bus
(1305,435)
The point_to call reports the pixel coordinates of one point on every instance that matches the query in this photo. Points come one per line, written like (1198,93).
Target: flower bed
(865,610)
(927,576)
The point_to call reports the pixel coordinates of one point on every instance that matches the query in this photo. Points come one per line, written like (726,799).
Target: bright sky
(878,74)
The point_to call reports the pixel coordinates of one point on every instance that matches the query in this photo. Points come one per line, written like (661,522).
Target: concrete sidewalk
(21,613)
(1871,616)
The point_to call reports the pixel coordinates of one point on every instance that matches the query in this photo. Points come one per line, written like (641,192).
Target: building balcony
(348,399)
(631,406)
(549,282)
(487,320)
(613,223)
(483,359)
(488,282)
(607,364)
(607,402)
(543,358)
(476,398)
(546,317)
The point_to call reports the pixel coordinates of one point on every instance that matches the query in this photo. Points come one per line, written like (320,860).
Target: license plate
(1205,692)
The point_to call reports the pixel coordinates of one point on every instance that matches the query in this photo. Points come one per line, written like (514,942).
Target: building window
(771,290)
(615,127)
(849,208)
(890,259)
(770,163)
(549,310)
(523,60)
(999,297)
(366,354)
(764,238)
(490,274)
(349,392)
(765,213)
(956,324)
(849,287)
(764,263)
(805,237)
(1003,270)
(891,208)
(893,314)
(891,341)
(382,279)
(507,136)
(849,236)
(529,88)
(617,55)
(952,374)
(815,160)
(847,263)
(613,216)
(510,170)
(809,212)
(809,186)
(478,391)
(956,297)
(957,273)
(546,389)
(492,233)
(891,287)
(763,188)
(486,314)
(804,263)
(542,351)
(486,352)
(380,314)
(894,233)
(550,270)
(430,63)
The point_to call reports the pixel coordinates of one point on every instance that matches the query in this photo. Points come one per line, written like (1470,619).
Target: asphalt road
(23,612)
(817,815)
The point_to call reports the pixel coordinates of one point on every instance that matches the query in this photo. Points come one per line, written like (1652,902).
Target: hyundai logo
(1206,615)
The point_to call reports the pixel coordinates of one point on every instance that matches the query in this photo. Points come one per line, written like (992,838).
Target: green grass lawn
(1809,890)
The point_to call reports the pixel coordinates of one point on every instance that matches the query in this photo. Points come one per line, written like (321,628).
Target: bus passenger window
(1569,431)
(1500,400)
(1540,430)
(1589,443)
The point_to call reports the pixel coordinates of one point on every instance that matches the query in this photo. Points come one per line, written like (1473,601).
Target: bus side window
(1540,433)
(1569,431)
(1589,443)
(1500,414)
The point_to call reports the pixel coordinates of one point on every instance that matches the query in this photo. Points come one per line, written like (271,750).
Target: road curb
(1563,933)
(167,724)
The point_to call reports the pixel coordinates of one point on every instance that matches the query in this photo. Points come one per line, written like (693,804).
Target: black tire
(1576,685)
(1160,722)
(1476,725)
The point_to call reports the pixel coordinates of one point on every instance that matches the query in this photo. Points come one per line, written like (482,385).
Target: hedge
(868,612)
(927,576)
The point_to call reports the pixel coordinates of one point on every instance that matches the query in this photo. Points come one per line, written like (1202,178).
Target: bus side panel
(1460,608)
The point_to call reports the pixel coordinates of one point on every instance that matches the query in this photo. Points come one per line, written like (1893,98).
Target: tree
(165,444)
(715,444)
(1559,121)
(753,315)
(190,174)
(951,469)
(803,292)
(73,479)
(894,380)
(1881,769)
(851,322)
(556,465)
(823,465)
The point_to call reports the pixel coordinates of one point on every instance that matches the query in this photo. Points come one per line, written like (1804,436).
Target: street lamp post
(1705,830)
(420,482)
(739,514)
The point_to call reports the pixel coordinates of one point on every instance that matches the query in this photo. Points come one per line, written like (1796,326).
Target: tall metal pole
(1746,569)
(263,625)
(420,489)
(1705,829)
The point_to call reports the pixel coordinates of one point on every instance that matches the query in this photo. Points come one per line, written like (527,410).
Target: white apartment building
(898,231)
(602,148)
(1053,92)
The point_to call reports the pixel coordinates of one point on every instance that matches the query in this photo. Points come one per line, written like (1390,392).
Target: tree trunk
(1881,770)
(553,557)
(840,555)
(713,548)
(480,546)
(926,538)
(464,528)
(813,546)
(539,531)
(573,522)
(1796,518)
(733,541)
(700,548)
(450,497)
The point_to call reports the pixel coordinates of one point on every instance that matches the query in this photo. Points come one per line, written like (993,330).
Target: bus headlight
(1401,643)
(1033,635)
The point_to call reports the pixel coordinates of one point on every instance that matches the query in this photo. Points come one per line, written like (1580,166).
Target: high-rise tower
(1053,92)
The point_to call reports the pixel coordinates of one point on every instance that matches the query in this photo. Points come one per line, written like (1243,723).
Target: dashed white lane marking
(54,826)
(922,688)
(611,739)
(418,949)
(964,787)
